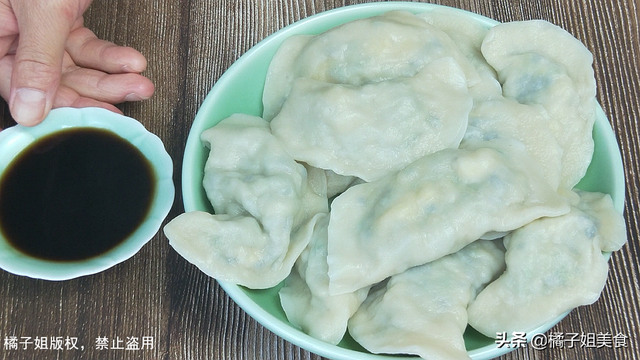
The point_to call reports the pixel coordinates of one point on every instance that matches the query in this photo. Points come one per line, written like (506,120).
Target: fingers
(6,66)
(113,88)
(88,51)
(44,28)
(67,97)
(52,40)
(86,87)
(8,44)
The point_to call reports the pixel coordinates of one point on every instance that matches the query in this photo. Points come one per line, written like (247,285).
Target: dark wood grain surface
(189,44)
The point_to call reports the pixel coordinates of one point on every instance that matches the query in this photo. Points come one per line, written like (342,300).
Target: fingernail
(131,69)
(28,106)
(134,97)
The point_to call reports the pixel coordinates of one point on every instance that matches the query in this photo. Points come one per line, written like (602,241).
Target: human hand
(48,59)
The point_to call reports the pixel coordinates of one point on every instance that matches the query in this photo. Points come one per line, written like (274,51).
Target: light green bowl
(239,90)
(15,139)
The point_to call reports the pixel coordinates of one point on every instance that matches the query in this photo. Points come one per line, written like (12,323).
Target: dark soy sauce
(75,194)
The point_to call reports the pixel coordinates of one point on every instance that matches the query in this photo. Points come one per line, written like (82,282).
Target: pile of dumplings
(412,175)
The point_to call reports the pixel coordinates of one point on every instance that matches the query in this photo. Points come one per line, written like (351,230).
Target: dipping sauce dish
(79,193)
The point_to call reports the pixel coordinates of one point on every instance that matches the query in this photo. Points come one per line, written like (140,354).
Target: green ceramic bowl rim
(15,139)
(606,158)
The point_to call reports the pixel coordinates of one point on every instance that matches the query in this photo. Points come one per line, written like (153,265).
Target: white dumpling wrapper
(502,118)
(280,74)
(364,51)
(467,33)
(553,265)
(494,116)
(611,225)
(263,201)
(540,63)
(305,296)
(376,129)
(236,249)
(248,172)
(423,311)
(434,207)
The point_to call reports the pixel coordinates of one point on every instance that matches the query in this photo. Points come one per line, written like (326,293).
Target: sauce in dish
(75,194)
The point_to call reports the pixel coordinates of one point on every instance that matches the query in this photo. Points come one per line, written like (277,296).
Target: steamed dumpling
(264,203)
(434,207)
(539,63)
(423,133)
(423,311)
(501,118)
(236,249)
(248,168)
(493,116)
(376,129)
(468,35)
(280,74)
(553,265)
(305,296)
(365,51)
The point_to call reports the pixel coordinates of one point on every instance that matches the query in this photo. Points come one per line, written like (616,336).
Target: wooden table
(181,313)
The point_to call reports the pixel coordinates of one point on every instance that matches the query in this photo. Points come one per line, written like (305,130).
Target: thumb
(44,27)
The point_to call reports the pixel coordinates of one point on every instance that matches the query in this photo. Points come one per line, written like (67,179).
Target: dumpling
(611,224)
(423,311)
(493,116)
(434,207)
(468,35)
(379,48)
(502,118)
(375,129)
(540,63)
(280,75)
(264,204)
(236,249)
(553,265)
(305,296)
(247,168)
